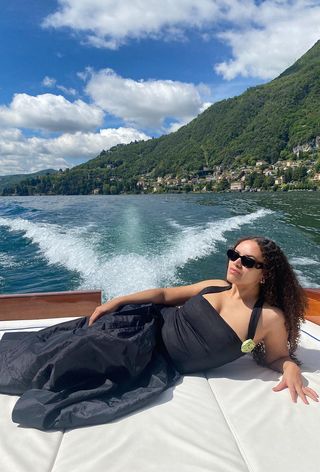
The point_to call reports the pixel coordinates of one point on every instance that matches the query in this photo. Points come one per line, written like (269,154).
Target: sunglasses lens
(247,262)
(232,255)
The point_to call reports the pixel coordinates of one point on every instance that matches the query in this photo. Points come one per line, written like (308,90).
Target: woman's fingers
(311,393)
(281,386)
(296,388)
(95,315)
(293,393)
(303,393)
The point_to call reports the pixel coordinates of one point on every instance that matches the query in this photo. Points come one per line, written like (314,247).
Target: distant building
(279,180)
(287,164)
(237,186)
(261,163)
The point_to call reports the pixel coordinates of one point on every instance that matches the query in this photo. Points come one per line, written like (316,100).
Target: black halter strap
(255,315)
(214,289)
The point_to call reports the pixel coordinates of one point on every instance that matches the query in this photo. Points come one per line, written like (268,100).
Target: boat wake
(76,250)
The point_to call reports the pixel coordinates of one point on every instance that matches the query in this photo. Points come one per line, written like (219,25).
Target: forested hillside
(264,123)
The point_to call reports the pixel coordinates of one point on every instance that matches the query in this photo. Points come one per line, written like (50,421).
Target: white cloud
(276,34)
(265,37)
(19,154)
(110,23)
(204,106)
(144,103)
(50,82)
(175,126)
(178,124)
(82,145)
(50,112)
(67,90)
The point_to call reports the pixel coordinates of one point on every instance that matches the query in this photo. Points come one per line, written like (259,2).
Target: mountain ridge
(258,124)
(264,123)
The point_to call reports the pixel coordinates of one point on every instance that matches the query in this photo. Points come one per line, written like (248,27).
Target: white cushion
(227,420)
(24,449)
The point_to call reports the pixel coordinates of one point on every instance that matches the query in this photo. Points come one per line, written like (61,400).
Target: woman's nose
(238,262)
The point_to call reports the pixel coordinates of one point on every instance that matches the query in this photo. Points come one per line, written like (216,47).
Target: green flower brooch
(248,345)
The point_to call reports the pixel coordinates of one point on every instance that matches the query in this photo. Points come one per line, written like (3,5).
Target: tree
(223,185)
(258,181)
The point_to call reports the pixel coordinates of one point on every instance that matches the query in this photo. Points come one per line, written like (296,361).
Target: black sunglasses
(246,261)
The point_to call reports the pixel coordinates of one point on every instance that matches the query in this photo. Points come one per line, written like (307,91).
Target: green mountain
(11,180)
(259,124)
(264,123)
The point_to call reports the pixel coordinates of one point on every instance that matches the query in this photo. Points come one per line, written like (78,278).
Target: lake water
(126,243)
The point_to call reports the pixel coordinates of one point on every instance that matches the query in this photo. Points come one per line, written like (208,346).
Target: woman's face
(241,275)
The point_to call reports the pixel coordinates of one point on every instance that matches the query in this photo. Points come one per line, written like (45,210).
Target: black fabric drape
(72,375)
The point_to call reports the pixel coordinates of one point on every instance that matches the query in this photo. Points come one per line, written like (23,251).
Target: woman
(91,371)
(258,277)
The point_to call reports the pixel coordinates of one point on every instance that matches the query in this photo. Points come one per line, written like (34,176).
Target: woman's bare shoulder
(214,283)
(272,314)
(273,329)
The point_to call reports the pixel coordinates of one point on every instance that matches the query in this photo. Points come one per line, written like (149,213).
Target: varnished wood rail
(64,304)
(48,305)
(313,310)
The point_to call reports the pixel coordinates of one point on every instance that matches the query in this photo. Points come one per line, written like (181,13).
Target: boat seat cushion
(227,419)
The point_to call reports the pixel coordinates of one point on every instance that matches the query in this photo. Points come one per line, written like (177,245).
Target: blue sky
(79,76)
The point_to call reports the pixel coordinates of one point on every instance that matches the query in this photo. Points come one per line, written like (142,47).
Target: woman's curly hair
(281,289)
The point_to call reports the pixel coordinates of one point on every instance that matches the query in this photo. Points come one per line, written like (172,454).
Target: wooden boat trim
(313,310)
(48,305)
(82,303)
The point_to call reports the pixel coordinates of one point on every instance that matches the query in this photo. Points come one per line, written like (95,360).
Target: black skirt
(71,375)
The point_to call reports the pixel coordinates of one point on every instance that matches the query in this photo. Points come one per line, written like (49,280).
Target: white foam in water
(303,261)
(131,272)
(7,260)
(304,280)
(55,243)
(196,242)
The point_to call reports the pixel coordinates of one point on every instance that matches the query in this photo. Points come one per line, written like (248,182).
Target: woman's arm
(278,359)
(173,296)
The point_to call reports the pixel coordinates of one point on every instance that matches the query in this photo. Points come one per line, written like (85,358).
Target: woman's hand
(293,380)
(108,307)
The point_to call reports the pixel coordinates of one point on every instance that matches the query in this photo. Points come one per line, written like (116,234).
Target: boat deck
(226,420)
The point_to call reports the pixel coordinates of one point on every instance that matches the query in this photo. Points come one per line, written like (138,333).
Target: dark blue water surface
(126,243)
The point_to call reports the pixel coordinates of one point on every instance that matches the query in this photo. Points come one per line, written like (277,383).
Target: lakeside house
(316,177)
(237,186)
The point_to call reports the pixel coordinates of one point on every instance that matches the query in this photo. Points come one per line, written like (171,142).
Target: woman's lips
(234,271)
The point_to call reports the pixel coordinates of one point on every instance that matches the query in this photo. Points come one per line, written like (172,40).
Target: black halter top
(198,338)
